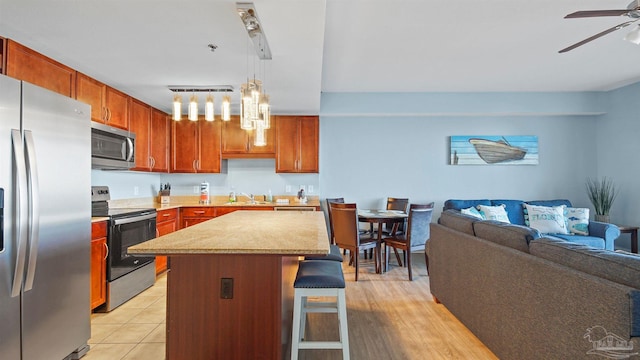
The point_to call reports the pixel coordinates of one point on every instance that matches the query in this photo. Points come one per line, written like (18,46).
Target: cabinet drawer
(166,215)
(98,229)
(198,211)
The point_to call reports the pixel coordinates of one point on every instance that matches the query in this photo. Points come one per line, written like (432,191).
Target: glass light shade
(264,111)
(634,36)
(260,136)
(193,108)
(177,107)
(225,111)
(246,105)
(208,109)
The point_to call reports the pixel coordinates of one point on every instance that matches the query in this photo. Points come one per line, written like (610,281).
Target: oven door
(125,232)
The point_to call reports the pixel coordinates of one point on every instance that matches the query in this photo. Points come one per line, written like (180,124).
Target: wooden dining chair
(416,236)
(398,204)
(347,235)
(329,201)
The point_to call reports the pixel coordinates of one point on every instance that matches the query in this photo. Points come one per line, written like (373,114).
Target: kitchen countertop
(246,232)
(215,201)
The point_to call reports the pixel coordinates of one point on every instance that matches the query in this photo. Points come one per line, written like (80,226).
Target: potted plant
(601,194)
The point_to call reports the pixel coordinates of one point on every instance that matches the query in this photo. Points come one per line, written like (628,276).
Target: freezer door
(10,306)
(56,310)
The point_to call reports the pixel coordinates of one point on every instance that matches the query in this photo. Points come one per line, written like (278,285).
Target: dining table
(380,217)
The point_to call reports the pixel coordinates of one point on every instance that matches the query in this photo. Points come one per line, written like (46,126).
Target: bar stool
(318,278)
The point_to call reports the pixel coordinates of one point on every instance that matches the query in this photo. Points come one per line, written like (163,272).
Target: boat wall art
(498,150)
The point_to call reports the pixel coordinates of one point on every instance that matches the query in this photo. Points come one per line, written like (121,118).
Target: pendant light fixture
(208,108)
(192,108)
(225,110)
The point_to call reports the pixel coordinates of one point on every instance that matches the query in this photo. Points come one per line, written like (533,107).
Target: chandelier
(192,109)
(255,113)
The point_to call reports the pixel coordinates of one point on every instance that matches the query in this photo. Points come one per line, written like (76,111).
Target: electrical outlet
(303,188)
(136,190)
(310,188)
(226,288)
(287,189)
(196,189)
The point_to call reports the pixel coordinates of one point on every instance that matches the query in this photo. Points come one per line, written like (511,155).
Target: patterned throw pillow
(577,220)
(497,213)
(472,212)
(546,219)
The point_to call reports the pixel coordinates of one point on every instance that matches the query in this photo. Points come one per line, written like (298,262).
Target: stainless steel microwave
(111,148)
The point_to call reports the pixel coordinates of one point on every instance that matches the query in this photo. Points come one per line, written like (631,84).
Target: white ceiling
(143,46)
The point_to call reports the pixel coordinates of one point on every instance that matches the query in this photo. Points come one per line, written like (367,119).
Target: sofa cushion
(593,241)
(513,208)
(514,236)
(577,220)
(497,213)
(556,202)
(546,219)
(617,267)
(463,204)
(455,220)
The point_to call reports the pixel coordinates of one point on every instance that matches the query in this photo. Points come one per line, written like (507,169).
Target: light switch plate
(310,188)
(287,189)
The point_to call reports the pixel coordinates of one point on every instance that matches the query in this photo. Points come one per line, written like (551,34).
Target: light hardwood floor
(389,318)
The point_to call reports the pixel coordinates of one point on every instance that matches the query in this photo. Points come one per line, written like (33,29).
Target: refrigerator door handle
(22,211)
(34,209)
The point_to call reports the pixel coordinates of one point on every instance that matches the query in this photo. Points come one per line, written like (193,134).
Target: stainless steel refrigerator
(45,177)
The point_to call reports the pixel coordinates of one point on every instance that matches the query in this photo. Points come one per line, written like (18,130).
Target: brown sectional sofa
(527,297)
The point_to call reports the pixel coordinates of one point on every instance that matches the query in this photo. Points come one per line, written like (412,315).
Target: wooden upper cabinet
(108,106)
(25,64)
(3,58)
(297,144)
(140,125)
(238,143)
(195,146)
(160,137)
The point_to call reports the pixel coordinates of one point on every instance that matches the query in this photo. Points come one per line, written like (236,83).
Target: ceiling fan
(632,11)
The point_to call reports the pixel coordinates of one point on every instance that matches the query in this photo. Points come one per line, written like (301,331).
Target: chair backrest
(345,224)
(397,204)
(418,226)
(329,201)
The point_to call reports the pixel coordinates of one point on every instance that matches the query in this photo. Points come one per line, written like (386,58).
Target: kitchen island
(230,283)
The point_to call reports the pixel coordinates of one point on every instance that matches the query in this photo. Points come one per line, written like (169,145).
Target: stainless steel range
(127,275)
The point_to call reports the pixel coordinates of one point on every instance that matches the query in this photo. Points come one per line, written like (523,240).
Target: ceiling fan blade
(596,13)
(598,35)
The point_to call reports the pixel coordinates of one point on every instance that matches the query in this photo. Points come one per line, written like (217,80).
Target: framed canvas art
(494,149)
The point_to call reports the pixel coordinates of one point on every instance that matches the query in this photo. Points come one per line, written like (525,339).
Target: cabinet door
(209,146)
(91,91)
(238,143)
(308,127)
(186,222)
(159,145)
(98,274)
(163,228)
(33,67)
(140,125)
(287,144)
(117,104)
(184,146)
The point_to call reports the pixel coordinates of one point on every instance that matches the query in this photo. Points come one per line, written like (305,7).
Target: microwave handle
(130,146)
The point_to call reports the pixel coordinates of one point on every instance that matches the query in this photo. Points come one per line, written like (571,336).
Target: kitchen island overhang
(230,282)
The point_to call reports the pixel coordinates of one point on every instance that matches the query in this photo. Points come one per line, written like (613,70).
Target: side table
(633,230)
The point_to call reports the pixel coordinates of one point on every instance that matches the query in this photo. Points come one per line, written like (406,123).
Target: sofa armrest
(609,232)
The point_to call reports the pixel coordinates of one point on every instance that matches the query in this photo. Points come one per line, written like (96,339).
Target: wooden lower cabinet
(166,223)
(99,252)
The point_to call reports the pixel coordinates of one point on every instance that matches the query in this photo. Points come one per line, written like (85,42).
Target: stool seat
(315,280)
(333,255)
(319,274)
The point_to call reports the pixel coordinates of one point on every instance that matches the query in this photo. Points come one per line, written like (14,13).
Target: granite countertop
(215,201)
(246,232)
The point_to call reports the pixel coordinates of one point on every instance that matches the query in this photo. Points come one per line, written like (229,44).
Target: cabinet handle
(107,250)
(104,113)
(199,212)
(194,165)
(166,215)
(152,162)
(157,233)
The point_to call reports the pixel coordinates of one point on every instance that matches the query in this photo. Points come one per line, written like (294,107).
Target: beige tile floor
(135,330)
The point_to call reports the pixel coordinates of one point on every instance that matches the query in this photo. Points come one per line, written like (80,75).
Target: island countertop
(246,232)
